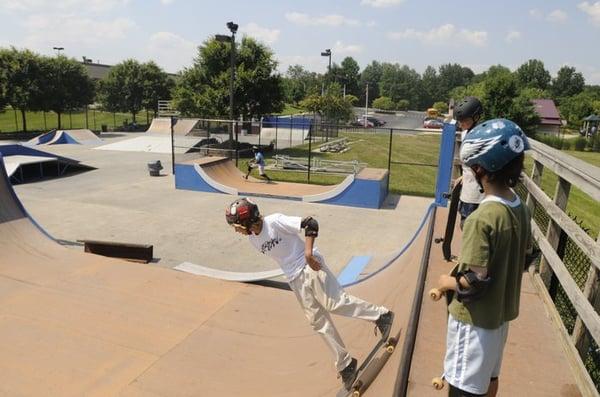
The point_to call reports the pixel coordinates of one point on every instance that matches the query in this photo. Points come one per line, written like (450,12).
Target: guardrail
(552,268)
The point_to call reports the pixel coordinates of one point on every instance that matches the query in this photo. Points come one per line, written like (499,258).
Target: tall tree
(568,82)
(157,85)
(401,82)
(371,75)
(533,74)
(452,75)
(203,89)
(123,89)
(22,75)
(350,76)
(66,86)
(430,82)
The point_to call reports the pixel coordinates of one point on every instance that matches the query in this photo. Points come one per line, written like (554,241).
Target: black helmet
(468,107)
(242,212)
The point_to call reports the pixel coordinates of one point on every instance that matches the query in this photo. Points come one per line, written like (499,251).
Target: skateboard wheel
(437,383)
(390,349)
(356,393)
(435,294)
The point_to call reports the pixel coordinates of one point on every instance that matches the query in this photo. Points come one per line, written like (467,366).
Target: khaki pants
(319,294)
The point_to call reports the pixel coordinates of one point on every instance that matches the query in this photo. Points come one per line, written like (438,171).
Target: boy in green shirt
(496,239)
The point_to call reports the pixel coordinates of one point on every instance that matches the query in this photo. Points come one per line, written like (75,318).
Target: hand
(446,282)
(313,262)
(457,181)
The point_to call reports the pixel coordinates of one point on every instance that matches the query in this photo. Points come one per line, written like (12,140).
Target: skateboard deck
(450,224)
(371,366)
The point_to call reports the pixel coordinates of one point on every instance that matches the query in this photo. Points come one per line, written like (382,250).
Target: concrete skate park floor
(119,201)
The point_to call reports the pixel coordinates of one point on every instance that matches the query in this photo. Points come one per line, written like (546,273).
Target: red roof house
(549,116)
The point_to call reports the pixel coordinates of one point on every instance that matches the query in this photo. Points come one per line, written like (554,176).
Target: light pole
(58,50)
(326,53)
(233,27)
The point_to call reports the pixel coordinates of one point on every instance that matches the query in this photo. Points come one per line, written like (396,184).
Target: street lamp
(326,53)
(233,27)
(58,49)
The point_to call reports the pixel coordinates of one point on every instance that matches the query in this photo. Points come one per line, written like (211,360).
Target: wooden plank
(561,196)
(579,173)
(578,300)
(583,379)
(580,237)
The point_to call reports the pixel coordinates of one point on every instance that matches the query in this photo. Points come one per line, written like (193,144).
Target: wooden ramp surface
(534,362)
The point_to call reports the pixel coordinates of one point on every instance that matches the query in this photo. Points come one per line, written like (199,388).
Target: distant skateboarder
(315,287)
(257,162)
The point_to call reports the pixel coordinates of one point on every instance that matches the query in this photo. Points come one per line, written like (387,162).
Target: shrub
(403,104)
(566,144)
(384,103)
(580,144)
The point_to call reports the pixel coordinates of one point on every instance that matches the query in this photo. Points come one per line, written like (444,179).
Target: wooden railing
(570,172)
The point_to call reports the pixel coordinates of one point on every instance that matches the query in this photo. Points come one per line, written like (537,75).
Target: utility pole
(366,104)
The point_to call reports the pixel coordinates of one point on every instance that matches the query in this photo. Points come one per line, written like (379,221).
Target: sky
(416,33)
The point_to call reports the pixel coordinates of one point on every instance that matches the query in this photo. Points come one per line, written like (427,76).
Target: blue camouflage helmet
(493,144)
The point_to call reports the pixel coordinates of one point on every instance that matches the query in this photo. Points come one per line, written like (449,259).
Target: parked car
(432,123)
(370,119)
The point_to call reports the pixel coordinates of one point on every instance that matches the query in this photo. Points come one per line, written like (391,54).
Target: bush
(384,103)
(551,140)
(566,145)
(441,107)
(580,144)
(594,143)
(403,104)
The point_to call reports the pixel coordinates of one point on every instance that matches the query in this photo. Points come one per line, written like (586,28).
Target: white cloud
(558,16)
(381,3)
(167,2)
(45,31)
(269,36)
(324,20)
(512,35)
(171,51)
(445,34)
(343,49)
(79,6)
(592,10)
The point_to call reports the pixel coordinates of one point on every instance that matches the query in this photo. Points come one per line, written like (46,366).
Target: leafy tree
(441,107)
(371,75)
(124,88)
(66,86)
(203,89)
(568,82)
(21,70)
(401,82)
(500,89)
(533,74)
(430,83)
(353,100)
(575,108)
(157,85)
(452,75)
(349,75)
(330,107)
(535,93)
(384,103)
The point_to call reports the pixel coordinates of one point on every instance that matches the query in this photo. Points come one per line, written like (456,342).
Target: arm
(448,283)
(311,231)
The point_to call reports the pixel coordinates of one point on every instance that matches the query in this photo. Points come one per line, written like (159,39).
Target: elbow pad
(477,286)
(310,226)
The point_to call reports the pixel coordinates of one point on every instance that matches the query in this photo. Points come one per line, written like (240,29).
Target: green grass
(592,158)
(35,120)
(373,149)
(291,109)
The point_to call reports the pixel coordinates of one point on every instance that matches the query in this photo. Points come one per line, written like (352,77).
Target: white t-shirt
(470,188)
(280,240)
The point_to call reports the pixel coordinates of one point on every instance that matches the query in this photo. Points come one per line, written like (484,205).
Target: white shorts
(473,355)
(261,169)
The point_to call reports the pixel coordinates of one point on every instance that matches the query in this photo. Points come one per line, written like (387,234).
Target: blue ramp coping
(353,269)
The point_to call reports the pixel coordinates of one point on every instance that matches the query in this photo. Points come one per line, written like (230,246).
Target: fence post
(237,144)
(390,159)
(309,153)
(114,121)
(561,196)
(70,119)
(45,124)
(590,290)
(260,129)
(291,128)
(173,121)
(536,177)
(16,121)
(94,117)
(276,127)
(86,118)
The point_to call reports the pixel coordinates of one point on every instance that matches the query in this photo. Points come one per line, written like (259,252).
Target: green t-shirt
(495,236)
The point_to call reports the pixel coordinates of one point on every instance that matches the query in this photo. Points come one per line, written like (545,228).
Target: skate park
(148,329)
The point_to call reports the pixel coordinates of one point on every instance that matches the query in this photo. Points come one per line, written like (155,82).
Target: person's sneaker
(384,324)
(348,374)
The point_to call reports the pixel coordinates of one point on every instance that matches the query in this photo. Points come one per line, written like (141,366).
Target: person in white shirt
(468,113)
(314,285)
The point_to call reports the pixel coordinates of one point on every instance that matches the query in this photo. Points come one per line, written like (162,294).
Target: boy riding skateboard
(315,287)
(487,283)
(257,162)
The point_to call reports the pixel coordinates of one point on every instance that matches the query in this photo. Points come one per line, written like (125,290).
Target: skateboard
(370,367)
(452,214)
(435,294)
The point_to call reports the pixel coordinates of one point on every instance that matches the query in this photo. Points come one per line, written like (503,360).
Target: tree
(575,108)
(452,75)
(203,89)
(384,103)
(371,75)
(533,74)
(330,107)
(66,86)
(353,100)
(349,75)
(430,83)
(124,88)
(441,107)
(157,85)
(401,82)
(21,70)
(402,104)
(568,82)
